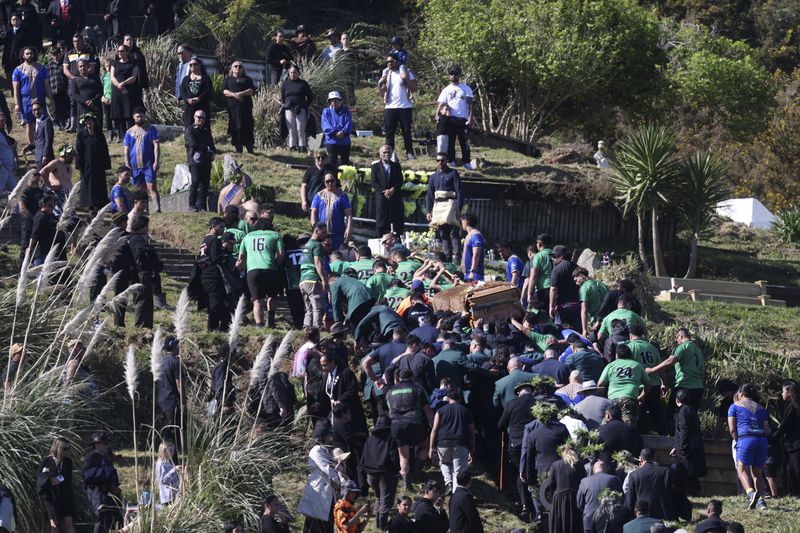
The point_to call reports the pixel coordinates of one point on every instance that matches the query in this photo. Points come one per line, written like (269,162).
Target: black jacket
(689,441)
(388,211)
(616,435)
(199,145)
(516,416)
(656,484)
(144,255)
(380,456)
(428,518)
(789,429)
(464,517)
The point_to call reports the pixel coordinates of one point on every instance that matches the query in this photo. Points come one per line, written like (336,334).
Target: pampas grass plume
(262,361)
(98,332)
(236,324)
(122,298)
(70,207)
(71,328)
(22,282)
(155,353)
(182,314)
(47,267)
(93,227)
(130,371)
(107,289)
(283,352)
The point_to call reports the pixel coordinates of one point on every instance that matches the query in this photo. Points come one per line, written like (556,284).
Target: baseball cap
(559,251)
(397,40)
(334,95)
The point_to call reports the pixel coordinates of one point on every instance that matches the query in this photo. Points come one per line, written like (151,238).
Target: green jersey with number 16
(648,355)
(260,249)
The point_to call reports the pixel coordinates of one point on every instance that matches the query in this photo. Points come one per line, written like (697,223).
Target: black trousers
(792,480)
(391,119)
(523,494)
(336,151)
(25,230)
(61,103)
(455,127)
(219,316)
(651,415)
(451,240)
(143,304)
(119,310)
(172,428)
(296,307)
(103,520)
(198,191)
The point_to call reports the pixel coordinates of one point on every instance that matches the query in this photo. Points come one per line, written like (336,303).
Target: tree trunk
(225,56)
(690,272)
(640,231)
(658,256)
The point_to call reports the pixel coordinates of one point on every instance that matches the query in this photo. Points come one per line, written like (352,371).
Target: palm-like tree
(701,189)
(643,175)
(226,26)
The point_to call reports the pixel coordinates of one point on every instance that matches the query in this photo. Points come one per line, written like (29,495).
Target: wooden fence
(721,478)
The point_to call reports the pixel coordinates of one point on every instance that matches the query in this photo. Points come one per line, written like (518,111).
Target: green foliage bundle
(646,287)
(787,225)
(266,111)
(161,104)
(263,194)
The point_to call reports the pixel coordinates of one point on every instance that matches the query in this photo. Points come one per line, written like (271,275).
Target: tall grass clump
(787,225)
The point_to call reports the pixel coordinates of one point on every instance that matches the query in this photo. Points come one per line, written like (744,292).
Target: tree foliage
(533,59)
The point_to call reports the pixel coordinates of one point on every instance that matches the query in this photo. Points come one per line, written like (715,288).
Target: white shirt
(397,95)
(457,98)
(602,160)
(330,52)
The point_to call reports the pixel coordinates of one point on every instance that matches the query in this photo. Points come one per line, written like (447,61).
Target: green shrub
(787,225)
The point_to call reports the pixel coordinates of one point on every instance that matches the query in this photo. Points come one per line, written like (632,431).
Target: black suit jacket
(43,140)
(345,390)
(464,517)
(656,484)
(64,27)
(616,435)
(13,45)
(388,211)
(515,417)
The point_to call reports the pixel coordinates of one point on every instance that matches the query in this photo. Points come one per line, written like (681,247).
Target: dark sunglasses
(202,117)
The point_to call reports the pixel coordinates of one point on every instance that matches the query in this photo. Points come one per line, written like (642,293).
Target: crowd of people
(556,398)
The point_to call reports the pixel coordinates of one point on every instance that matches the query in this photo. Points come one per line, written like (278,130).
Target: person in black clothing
(544,438)
(125,263)
(564,300)
(445,191)
(402,521)
(314,179)
(654,483)
(30,20)
(689,451)
(239,90)
(212,256)
(93,160)
(64,20)
(102,484)
(44,231)
(609,304)
(296,98)
(170,391)
(200,152)
(222,393)
(28,207)
(453,437)
(616,435)
(788,433)
(429,513)
(345,438)
(54,484)
(278,400)
(293,250)
(272,521)
(380,462)
(516,416)
(278,58)
(565,477)
(85,89)
(195,93)
(341,386)
(149,267)
(464,517)
(387,179)
(17,38)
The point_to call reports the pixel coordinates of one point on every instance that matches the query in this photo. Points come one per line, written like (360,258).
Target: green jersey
(405,270)
(244,227)
(261,248)
(627,315)
(540,340)
(291,266)
(648,355)
(238,235)
(363,268)
(543,261)
(308,269)
(339,267)
(592,292)
(378,283)
(624,377)
(395,295)
(690,366)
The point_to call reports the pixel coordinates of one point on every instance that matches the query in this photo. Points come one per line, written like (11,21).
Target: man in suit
(590,488)
(30,20)
(464,517)
(654,483)
(17,38)
(387,179)
(616,435)
(505,387)
(516,415)
(341,387)
(66,18)
(43,136)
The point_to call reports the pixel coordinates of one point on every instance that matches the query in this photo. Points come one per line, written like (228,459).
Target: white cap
(334,94)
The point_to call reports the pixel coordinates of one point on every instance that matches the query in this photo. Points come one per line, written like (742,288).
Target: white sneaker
(467,166)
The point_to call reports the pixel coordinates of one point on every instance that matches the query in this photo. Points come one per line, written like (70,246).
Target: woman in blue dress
(748,425)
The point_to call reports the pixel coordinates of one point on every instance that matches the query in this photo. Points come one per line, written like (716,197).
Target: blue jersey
(750,418)
(141,146)
(31,79)
(474,241)
(336,218)
(118,191)
(515,265)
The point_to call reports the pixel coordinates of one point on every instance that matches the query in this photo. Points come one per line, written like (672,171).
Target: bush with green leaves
(787,225)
